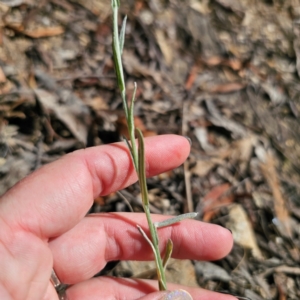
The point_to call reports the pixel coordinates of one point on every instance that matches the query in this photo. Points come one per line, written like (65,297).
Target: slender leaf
(122,35)
(131,128)
(117,55)
(176,219)
(157,257)
(142,171)
(169,250)
(115,3)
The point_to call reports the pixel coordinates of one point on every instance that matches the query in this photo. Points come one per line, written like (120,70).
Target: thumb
(168,295)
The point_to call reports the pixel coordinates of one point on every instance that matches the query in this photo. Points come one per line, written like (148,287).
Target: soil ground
(223,72)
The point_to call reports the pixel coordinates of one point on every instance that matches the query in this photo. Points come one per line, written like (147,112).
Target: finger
(100,238)
(53,199)
(25,264)
(125,288)
(168,295)
(50,294)
(155,296)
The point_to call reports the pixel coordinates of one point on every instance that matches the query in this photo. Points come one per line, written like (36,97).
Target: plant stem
(138,155)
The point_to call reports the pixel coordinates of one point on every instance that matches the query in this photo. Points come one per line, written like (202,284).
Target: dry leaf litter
(223,72)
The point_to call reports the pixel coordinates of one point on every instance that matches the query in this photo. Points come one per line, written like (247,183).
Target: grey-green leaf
(169,250)
(141,169)
(122,35)
(176,219)
(115,3)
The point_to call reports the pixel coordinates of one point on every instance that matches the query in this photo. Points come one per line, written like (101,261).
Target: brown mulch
(223,72)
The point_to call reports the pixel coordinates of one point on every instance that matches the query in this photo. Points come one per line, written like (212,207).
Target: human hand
(43,225)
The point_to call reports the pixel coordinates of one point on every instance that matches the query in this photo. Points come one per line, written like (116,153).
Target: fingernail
(189,140)
(227,229)
(177,295)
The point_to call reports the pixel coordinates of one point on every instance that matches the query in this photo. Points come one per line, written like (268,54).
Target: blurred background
(223,72)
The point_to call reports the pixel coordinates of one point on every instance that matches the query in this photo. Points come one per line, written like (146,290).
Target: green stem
(138,155)
(145,200)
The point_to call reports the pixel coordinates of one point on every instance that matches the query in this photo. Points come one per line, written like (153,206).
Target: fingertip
(189,140)
(154,296)
(227,236)
(173,295)
(170,149)
(215,241)
(223,237)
